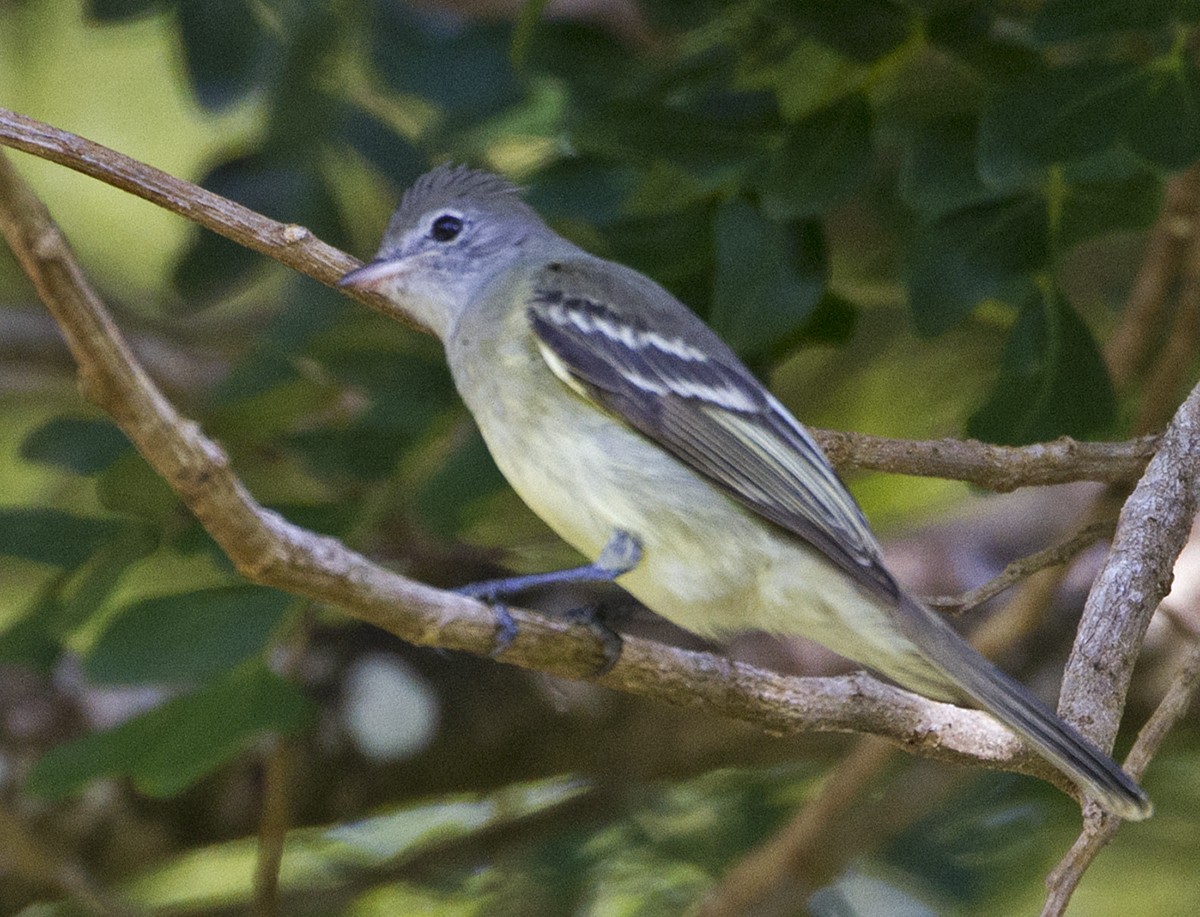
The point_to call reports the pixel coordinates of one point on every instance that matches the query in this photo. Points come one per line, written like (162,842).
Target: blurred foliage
(797,171)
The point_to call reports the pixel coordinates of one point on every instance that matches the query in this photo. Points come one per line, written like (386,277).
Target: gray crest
(462,188)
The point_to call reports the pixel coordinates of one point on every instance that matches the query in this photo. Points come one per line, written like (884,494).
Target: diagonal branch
(1152,529)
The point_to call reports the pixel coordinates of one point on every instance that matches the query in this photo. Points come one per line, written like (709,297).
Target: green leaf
(1065,114)
(129,486)
(592,62)
(81,445)
(770,277)
(100,575)
(309,309)
(938,174)
(675,248)
(301,113)
(171,747)
(1165,126)
(968,34)
(50,536)
(983,252)
(864,31)
(528,20)
(824,159)
(223,48)
(1091,209)
(583,188)
(358,452)
(187,637)
(1072,20)
(289,188)
(37,637)
(717,141)
(831,322)
(464,69)
(388,152)
(407,392)
(120,10)
(30,641)
(1056,114)
(1052,383)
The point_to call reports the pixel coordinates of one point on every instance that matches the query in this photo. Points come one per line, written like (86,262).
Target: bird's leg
(622,554)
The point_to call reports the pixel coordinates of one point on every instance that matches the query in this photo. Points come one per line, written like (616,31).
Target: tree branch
(1152,529)
(999,468)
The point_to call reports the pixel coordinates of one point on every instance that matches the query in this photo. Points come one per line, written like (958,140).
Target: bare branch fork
(269,550)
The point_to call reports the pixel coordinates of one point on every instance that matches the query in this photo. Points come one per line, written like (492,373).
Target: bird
(645,443)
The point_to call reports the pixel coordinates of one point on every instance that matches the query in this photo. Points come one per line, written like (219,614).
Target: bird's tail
(1011,702)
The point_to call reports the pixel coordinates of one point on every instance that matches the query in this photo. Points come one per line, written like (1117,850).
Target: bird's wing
(627,345)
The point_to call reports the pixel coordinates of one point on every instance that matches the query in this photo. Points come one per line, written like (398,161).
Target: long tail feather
(1011,702)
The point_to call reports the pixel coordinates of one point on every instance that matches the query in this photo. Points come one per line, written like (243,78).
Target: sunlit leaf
(121,10)
(38,636)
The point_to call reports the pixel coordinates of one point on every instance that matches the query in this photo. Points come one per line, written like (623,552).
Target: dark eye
(446,228)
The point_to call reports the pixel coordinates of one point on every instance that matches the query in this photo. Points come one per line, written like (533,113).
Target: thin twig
(1154,525)
(272,829)
(794,861)
(1024,567)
